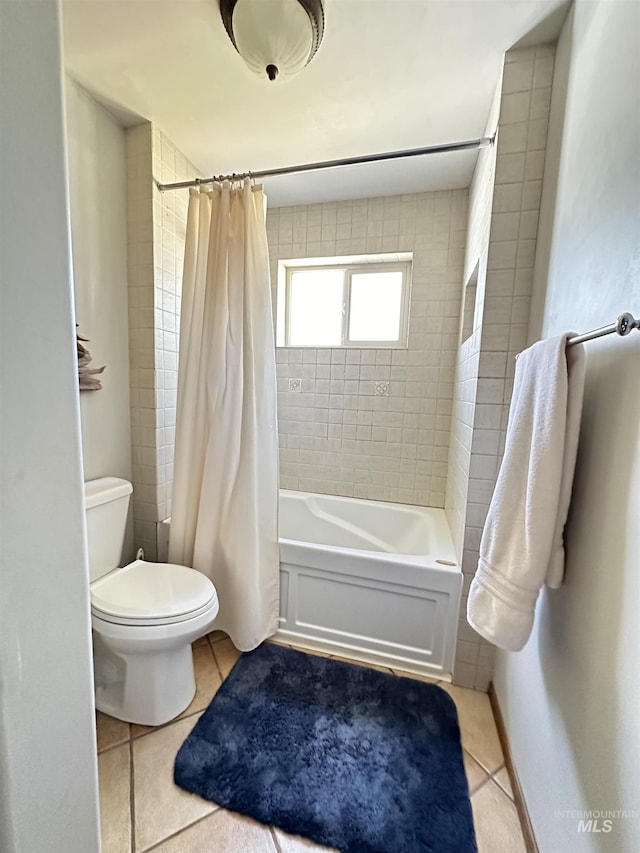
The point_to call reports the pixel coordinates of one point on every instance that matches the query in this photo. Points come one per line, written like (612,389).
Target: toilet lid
(144,592)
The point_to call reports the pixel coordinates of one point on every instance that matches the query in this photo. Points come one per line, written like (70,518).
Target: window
(351,304)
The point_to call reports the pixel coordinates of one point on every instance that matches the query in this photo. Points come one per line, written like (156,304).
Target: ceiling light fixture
(276,38)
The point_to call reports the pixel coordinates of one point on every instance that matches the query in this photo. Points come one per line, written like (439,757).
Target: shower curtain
(224,519)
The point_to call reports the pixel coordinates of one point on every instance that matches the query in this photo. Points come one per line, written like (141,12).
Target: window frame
(349,269)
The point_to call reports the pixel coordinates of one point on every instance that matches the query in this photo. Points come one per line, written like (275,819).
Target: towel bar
(624,324)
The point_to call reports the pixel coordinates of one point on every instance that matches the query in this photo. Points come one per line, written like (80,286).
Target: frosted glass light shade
(276,38)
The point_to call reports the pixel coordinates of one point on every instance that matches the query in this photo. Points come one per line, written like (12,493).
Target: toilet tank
(106,504)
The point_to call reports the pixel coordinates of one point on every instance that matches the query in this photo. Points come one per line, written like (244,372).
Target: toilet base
(148,689)
(145,675)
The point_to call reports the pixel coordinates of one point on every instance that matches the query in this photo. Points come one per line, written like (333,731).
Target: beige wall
(570,699)
(97,198)
(339,436)
(48,766)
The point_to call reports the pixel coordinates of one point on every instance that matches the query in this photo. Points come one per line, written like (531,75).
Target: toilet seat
(147,594)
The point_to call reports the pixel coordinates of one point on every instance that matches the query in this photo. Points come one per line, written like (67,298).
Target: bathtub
(377,582)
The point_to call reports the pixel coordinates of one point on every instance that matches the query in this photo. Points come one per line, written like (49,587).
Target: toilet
(144,617)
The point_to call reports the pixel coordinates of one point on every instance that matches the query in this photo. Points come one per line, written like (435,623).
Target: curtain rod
(623,325)
(331,164)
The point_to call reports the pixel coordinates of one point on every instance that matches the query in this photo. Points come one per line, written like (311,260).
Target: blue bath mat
(349,757)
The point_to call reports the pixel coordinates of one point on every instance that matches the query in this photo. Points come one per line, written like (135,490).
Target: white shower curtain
(224,519)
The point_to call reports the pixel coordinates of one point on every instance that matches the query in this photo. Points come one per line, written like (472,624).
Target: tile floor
(143,810)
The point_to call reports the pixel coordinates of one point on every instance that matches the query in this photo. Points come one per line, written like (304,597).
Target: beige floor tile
(502,778)
(138,730)
(275,642)
(226,655)
(314,652)
(115,819)
(496,821)
(296,844)
(222,832)
(477,725)
(207,680)
(161,808)
(201,641)
(476,776)
(402,674)
(110,731)
(376,666)
(216,636)
(342,658)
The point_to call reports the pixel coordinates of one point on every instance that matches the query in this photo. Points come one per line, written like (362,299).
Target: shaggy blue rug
(347,756)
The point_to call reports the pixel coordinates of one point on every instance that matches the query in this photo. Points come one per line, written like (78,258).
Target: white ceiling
(390,74)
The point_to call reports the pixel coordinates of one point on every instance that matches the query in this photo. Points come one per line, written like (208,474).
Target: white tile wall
(169,228)
(467,360)
(338,435)
(156,228)
(141,335)
(502,229)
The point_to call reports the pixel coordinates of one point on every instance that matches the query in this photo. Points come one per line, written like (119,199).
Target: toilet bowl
(144,618)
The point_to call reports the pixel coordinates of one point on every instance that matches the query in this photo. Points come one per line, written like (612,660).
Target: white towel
(522,542)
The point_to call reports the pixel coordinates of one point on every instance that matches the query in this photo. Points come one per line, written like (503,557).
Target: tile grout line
(478,787)
(218,640)
(218,667)
(215,657)
(504,791)
(274,838)
(113,746)
(182,829)
(486,773)
(163,726)
(482,765)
